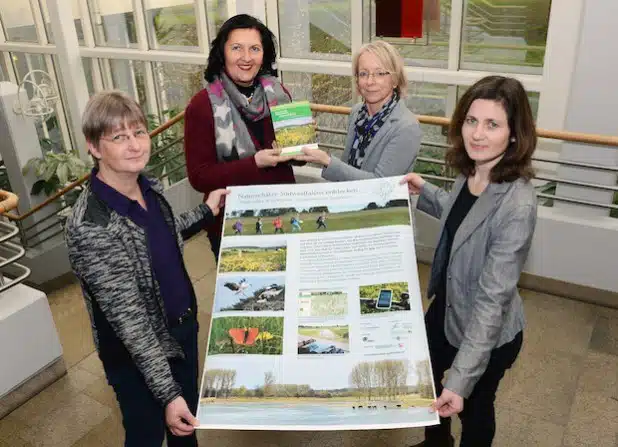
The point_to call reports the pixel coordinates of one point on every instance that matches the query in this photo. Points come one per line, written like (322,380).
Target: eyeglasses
(123,138)
(378,75)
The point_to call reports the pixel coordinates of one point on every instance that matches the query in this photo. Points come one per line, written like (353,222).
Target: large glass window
(171,24)
(113,23)
(316,28)
(505,35)
(430,50)
(176,84)
(18,21)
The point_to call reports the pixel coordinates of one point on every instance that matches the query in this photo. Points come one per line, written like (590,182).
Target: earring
(513,140)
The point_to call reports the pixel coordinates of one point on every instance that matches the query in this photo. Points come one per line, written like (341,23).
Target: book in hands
(294,127)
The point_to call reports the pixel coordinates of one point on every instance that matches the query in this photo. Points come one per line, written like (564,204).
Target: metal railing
(51,223)
(11,273)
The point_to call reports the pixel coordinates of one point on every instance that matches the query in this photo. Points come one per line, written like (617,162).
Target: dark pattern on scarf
(366,127)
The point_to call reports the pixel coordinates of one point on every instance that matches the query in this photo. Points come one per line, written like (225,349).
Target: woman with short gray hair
(125,248)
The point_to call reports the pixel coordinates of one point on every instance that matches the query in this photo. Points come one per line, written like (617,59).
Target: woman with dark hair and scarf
(384,137)
(228,129)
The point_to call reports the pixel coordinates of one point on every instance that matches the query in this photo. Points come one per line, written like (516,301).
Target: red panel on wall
(412,18)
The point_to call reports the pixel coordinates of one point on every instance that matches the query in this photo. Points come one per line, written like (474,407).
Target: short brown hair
(108,110)
(517,160)
(391,61)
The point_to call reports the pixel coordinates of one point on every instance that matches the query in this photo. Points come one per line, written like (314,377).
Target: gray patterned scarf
(229,106)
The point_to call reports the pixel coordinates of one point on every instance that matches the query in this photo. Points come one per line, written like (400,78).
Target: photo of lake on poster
(309,416)
(377,394)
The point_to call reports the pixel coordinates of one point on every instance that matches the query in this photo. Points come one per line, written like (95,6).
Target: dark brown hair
(517,160)
(216,57)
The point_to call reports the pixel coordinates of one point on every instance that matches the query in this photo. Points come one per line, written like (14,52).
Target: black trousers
(478,418)
(143,417)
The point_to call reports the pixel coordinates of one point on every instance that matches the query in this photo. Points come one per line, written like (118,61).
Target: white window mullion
(201,23)
(255,8)
(142,42)
(455,34)
(140,25)
(356,38)
(70,67)
(95,67)
(6,56)
(39,23)
(272,14)
(231,8)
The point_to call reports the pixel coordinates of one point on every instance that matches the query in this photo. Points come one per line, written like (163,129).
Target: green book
(294,128)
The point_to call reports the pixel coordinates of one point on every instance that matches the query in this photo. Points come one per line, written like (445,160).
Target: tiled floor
(563,390)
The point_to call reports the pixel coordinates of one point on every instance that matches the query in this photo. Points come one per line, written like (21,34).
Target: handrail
(575,137)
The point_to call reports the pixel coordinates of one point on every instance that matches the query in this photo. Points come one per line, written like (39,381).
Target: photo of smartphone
(385,298)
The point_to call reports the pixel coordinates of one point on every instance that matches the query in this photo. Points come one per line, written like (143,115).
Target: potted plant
(55,171)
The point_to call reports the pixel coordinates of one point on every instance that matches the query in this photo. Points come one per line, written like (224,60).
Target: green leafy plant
(54,171)
(167,153)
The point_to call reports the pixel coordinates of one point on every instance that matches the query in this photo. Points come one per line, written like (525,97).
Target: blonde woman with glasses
(384,137)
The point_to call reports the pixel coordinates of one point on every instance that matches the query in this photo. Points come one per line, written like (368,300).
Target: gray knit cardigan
(109,255)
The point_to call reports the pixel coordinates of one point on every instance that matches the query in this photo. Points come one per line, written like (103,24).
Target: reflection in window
(307,27)
(503,35)
(425,98)
(171,27)
(128,76)
(18,21)
(4,73)
(217,14)
(113,23)
(323,89)
(175,84)
(431,50)
(88,65)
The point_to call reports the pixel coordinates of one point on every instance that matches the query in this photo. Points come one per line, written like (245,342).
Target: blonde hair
(390,59)
(108,110)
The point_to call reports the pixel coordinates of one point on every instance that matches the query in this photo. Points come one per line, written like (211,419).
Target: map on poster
(317,321)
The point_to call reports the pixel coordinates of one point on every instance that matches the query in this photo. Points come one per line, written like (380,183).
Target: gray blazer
(392,150)
(484,309)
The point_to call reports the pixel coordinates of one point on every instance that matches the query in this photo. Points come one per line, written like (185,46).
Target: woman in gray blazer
(384,137)
(475,322)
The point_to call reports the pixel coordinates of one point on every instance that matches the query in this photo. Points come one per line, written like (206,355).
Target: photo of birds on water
(250,293)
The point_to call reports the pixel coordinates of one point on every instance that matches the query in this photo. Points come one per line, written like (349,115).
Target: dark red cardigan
(206,173)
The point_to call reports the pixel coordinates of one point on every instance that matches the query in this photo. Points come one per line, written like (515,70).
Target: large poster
(317,320)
